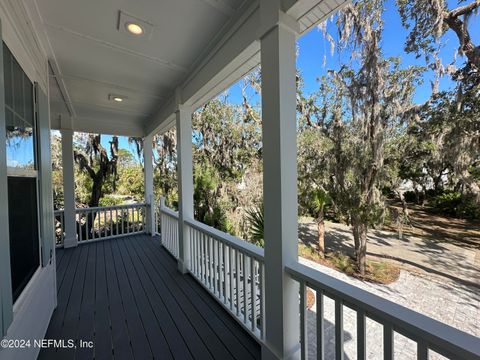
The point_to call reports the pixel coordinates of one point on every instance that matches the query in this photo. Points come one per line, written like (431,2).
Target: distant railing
(427,333)
(98,223)
(59,228)
(110,221)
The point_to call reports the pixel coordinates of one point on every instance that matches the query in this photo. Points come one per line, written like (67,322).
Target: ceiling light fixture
(134,28)
(117,98)
(133,25)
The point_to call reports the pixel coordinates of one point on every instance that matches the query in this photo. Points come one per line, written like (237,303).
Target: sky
(312,48)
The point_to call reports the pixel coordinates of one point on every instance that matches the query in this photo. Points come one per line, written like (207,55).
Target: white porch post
(282,333)
(68,189)
(148,182)
(185,182)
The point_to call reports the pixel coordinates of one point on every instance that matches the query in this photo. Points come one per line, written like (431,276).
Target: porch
(127,297)
(193,292)
(127,284)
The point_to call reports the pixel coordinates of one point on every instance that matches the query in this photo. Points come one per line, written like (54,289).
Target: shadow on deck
(126,296)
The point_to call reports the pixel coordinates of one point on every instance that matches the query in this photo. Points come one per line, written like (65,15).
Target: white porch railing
(231,269)
(427,333)
(106,222)
(169,230)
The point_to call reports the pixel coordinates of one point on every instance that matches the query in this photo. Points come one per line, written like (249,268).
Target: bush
(452,203)
(468,209)
(256,220)
(110,201)
(447,202)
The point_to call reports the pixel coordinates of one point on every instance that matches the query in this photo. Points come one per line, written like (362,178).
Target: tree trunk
(404,204)
(424,196)
(360,240)
(417,195)
(321,232)
(96,191)
(94,202)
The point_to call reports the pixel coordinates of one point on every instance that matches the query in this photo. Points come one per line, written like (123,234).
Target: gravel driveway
(448,301)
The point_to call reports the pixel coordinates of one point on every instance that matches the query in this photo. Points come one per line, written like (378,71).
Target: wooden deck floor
(127,296)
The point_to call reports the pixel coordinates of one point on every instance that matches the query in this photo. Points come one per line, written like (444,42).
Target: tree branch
(453,21)
(462,10)
(83,163)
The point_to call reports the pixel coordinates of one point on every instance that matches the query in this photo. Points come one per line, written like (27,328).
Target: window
(18,115)
(22,174)
(23,226)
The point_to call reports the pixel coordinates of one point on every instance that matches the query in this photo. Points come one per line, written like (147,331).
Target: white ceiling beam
(113,85)
(106,126)
(32,9)
(222,6)
(121,109)
(61,86)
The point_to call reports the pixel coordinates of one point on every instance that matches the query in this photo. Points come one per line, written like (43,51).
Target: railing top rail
(248,248)
(440,337)
(169,211)
(58,211)
(110,207)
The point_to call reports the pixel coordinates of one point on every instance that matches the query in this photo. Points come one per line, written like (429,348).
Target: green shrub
(110,201)
(256,221)
(468,209)
(447,202)
(453,204)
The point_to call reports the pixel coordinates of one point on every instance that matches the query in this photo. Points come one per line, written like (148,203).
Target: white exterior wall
(34,307)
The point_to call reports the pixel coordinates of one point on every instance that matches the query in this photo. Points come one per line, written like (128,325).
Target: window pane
(23,225)
(20,144)
(19,115)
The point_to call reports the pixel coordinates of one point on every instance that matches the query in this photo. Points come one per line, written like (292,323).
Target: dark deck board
(127,296)
(87,309)
(121,349)
(162,314)
(102,335)
(137,335)
(233,340)
(155,335)
(215,346)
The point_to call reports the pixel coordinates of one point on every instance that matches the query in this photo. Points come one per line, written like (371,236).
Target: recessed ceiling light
(134,28)
(116,97)
(133,25)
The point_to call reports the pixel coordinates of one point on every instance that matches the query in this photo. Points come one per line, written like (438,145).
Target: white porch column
(68,189)
(282,333)
(185,182)
(148,182)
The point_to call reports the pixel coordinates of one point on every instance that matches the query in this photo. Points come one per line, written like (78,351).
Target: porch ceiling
(199,47)
(90,58)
